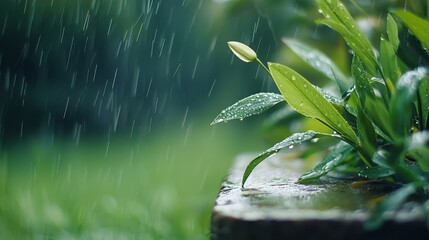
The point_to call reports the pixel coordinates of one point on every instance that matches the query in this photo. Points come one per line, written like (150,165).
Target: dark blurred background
(101,68)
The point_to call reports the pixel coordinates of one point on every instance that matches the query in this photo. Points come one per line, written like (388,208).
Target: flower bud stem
(260,63)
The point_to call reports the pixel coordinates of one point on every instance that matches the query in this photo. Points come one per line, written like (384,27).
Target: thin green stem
(260,63)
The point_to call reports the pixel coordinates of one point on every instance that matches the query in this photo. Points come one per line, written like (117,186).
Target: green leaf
(294,139)
(418,147)
(394,159)
(249,106)
(353,42)
(363,86)
(335,158)
(403,98)
(391,203)
(328,96)
(320,62)
(418,26)
(366,134)
(303,97)
(379,115)
(375,173)
(338,18)
(424,103)
(392,32)
(389,61)
(383,158)
(339,105)
(335,10)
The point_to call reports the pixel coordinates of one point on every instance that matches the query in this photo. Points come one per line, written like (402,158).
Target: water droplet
(417,122)
(293,77)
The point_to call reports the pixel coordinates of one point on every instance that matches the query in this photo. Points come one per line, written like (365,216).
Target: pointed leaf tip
(249,106)
(294,139)
(304,98)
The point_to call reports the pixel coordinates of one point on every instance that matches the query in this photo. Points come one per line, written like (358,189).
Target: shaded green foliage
(382,118)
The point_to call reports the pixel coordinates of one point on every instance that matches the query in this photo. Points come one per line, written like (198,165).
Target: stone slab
(274,206)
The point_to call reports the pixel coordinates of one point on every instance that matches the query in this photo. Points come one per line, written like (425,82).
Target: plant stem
(260,63)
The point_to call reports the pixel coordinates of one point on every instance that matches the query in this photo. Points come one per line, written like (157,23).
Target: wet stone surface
(274,206)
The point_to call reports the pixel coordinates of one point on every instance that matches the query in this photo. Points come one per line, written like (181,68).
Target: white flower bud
(242,51)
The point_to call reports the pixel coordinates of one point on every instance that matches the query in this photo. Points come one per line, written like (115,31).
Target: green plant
(381,118)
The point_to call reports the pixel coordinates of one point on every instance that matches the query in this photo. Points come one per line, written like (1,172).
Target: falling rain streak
(112,97)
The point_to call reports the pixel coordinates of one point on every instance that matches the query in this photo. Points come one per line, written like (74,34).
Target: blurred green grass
(158,188)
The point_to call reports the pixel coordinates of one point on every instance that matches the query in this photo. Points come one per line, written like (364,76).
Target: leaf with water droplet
(308,100)
(249,106)
(328,96)
(392,32)
(320,62)
(363,86)
(294,139)
(389,62)
(335,158)
(341,21)
(376,172)
(338,104)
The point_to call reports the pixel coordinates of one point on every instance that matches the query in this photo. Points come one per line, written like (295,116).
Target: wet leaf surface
(289,142)
(249,106)
(302,96)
